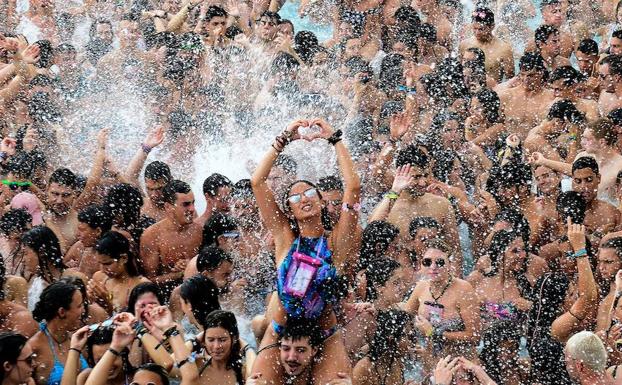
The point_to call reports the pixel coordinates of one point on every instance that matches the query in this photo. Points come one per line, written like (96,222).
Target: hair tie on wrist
(335,137)
(116,353)
(146,149)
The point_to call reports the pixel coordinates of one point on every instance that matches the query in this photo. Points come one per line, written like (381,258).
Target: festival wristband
(76,350)
(116,353)
(580,253)
(392,195)
(146,149)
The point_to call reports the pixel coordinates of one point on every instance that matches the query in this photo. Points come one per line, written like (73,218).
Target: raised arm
(348,221)
(587,301)
(400,182)
(121,338)
(72,364)
(537,159)
(152,140)
(272,216)
(88,194)
(177,21)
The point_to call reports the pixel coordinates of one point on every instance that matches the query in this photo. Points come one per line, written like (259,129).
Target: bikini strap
(44,328)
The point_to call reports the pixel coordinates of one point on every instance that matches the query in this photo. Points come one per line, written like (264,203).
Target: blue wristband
(580,253)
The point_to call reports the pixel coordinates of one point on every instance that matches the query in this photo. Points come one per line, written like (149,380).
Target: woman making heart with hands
(309,257)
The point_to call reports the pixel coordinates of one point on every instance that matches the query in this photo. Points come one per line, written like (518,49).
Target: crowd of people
(438,200)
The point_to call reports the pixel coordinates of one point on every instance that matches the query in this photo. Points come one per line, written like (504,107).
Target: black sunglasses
(427,262)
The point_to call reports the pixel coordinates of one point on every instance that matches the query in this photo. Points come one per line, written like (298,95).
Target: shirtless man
(587,57)
(216,189)
(399,207)
(610,74)
(433,15)
(157,175)
(548,46)
(446,308)
(499,57)
(599,140)
(93,222)
(553,15)
(527,104)
(600,217)
(166,247)
(60,215)
(563,81)
(615,44)
(61,307)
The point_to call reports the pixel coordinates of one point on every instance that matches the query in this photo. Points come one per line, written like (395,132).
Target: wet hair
(390,108)
(483,15)
(330,183)
(284,64)
(413,156)
(172,188)
(65,48)
(408,36)
(568,74)
(202,294)
(214,11)
(211,257)
(158,170)
(588,47)
(226,320)
(79,283)
(422,223)
(155,369)
(491,104)
(391,327)
(297,329)
(617,34)
(286,163)
(273,16)
(496,252)
(97,217)
(357,64)
(493,337)
(46,54)
(517,220)
(615,116)
(124,201)
(287,21)
(451,73)
(213,182)
(480,56)
(566,111)
(116,246)
(571,204)
(604,129)
(615,64)
(15,220)
(532,61)
(11,345)
(242,189)
(378,273)
(391,72)
(21,165)
(408,17)
(64,177)
(427,32)
(217,225)
(233,31)
(543,33)
(54,297)
(141,289)
(585,162)
(103,336)
(45,244)
(40,81)
(375,240)
(306,45)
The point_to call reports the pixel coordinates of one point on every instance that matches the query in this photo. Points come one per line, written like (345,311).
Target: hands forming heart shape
(308,130)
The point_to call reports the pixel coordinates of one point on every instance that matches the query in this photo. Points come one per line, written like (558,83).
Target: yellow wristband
(392,195)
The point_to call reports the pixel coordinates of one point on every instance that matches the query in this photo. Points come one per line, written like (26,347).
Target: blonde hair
(586,347)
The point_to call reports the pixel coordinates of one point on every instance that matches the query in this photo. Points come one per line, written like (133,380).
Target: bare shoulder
(463,285)
(15,281)
(100,276)
(440,202)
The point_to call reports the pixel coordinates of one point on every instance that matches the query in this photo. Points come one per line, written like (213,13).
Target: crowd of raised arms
(430,192)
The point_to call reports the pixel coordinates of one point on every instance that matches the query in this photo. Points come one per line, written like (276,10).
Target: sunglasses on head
(427,262)
(16,185)
(296,198)
(29,360)
(231,234)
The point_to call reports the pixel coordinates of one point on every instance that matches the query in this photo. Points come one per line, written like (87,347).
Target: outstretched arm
(272,216)
(152,140)
(88,194)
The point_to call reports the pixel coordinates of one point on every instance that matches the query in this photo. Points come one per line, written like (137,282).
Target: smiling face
(145,302)
(438,265)
(585,182)
(296,356)
(304,201)
(515,255)
(218,343)
(182,211)
(547,180)
(393,290)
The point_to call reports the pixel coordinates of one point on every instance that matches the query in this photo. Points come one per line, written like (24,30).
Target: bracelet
(276,149)
(140,329)
(335,137)
(116,353)
(392,195)
(146,149)
(580,253)
(170,332)
(346,207)
(190,359)
(3,156)
(430,333)
(76,350)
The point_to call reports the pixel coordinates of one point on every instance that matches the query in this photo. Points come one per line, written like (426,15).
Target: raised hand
(102,138)
(161,317)
(154,138)
(79,337)
(8,145)
(122,337)
(536,158)
(326,131)
(402,179)
(291,132)
(255,379)
(31,54)
(124,318)
(576,235)
(399,125)
(445,370)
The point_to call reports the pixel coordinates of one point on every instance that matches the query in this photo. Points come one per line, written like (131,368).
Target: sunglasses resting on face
(296,198)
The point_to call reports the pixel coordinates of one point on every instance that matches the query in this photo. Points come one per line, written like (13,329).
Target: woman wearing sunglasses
(16,358)
(446,308)
(308,258)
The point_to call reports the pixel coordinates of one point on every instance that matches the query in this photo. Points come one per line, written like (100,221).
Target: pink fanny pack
(300,274)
